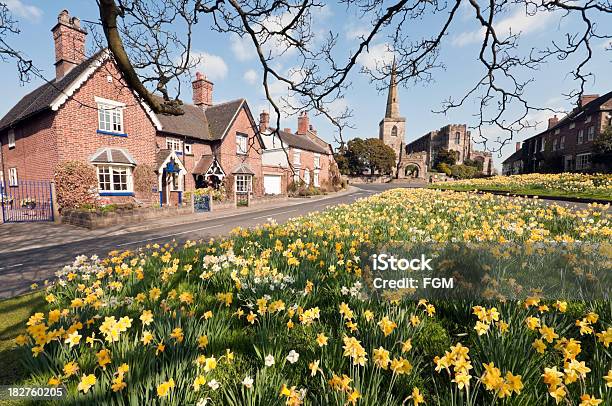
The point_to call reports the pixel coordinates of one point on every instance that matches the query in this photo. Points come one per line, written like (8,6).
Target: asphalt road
(18,270)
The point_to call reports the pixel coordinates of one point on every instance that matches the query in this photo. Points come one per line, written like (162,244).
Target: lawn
(287,314)
(546,185)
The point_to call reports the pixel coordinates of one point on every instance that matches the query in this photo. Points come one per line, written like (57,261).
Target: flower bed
(597,186)
(281,314)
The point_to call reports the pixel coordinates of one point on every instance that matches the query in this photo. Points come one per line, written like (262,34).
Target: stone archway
(411,171)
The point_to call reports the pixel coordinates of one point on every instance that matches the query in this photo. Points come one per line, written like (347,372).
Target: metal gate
(27,201)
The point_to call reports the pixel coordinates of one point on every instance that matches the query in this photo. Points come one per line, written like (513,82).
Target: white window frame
(13,179)
(174,144)
(307,177)
(580,136)
(244,183)
(315,178)
(11,139)
(317,161)
(111,169)
(113,123)
(176,183)
(591,133)
(242,144)
(583,161)
(542,144)
(562,142)
(297,157)
(572,125)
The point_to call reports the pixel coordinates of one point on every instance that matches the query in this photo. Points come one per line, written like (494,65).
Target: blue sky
(231,65)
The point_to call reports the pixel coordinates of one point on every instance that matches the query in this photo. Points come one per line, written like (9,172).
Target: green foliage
(371,154)
(444,168)
(432,339)
(76,184)
(464,171)
(602,149)
(445,156)
(476,163)
(145,179)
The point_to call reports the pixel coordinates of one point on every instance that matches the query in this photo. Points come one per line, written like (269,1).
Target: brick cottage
(311,157)
(88,113)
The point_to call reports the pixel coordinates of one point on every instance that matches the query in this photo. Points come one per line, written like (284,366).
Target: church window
(394,131)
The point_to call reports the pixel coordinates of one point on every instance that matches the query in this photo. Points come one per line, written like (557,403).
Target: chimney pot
(69,40)
(303,123)
(287,130)
(202,91)
(264,121)
(587,98)
(553,121)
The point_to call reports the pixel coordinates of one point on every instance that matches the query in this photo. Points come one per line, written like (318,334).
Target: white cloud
(212,65)
(242,48)
(352,32)
(607,44)
(30,13)
(377,56)
(518,22)
(251,76)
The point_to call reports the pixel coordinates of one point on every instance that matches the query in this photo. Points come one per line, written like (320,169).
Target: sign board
(202,203)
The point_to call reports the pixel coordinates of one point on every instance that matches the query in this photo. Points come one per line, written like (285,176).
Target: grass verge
(527,191)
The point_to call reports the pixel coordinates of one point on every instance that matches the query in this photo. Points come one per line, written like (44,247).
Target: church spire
(392,99)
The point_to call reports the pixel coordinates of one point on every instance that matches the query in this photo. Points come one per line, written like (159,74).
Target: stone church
(392,130)
(415,159)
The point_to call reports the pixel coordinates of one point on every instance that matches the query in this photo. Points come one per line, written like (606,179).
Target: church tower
(392,128)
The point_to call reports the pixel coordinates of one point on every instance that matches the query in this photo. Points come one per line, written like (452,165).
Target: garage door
(272,184)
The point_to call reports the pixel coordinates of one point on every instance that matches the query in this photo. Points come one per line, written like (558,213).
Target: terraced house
(294,159)
(88,113)
(567,144)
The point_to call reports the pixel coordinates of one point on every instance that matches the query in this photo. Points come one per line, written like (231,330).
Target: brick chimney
(264,121)
(553,121)
(303,123)
(587,98)
(69,40)
(202,91)
(287,130)
(518,146)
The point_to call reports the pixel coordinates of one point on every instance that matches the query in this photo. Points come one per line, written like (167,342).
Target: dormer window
(110,116)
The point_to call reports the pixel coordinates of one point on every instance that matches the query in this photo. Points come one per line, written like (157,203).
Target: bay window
(114,179)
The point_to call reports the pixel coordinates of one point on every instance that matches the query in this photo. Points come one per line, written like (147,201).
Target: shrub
(145,179)
(76,184)
(463,171)
(444,168)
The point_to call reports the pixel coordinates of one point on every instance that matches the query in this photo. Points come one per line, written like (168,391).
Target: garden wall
(95,220)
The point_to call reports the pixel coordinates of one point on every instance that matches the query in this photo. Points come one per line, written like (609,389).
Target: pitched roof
(516,156)
(203,164)
(210,124)
(162,155)
(590,108)
(41,98)
(300,142)
(243,169)
(221,116)
(113,155)
(191,124)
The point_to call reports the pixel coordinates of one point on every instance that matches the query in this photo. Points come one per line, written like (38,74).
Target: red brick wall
(35,154)
(307,162)
(77,121)
(230,160)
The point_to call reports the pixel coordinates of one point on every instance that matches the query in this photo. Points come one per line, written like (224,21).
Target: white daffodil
(247,382)
(269,360)
(293,356)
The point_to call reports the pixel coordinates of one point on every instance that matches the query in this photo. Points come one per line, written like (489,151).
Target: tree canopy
(370,155)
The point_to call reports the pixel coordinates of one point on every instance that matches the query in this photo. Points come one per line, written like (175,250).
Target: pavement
(37,254)
(33,252)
